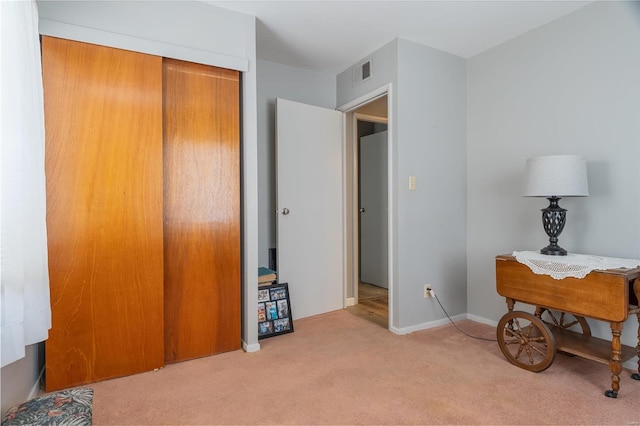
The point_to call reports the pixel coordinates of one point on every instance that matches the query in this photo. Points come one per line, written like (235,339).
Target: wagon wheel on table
(526,341)
(565,321)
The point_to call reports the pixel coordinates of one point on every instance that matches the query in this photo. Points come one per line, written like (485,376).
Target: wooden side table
(531,341)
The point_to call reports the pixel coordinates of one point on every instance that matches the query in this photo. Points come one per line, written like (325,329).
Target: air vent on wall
(362,72)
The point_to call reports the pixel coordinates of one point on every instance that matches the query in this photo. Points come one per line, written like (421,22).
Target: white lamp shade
(556,176)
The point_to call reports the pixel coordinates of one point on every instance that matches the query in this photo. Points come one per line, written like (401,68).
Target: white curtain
(24,280)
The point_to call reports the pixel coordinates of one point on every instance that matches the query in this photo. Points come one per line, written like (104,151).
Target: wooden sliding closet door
(103,120)
(201,210)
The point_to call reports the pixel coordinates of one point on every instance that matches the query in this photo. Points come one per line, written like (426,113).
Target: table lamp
(555,177)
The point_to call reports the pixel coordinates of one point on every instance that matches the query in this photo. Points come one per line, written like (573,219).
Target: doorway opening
(369,265)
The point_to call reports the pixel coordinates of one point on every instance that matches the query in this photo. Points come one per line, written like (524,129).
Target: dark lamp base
(553,220)
(553,251)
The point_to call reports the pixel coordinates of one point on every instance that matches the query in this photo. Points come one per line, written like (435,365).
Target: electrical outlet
(428,291)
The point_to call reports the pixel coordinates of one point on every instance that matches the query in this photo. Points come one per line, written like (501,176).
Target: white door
(373,210)
(310,206)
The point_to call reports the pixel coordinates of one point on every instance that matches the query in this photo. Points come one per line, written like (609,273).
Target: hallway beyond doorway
(373,304)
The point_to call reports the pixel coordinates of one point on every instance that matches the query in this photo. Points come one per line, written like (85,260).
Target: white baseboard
(255,347)
(482,320)
(427,325)
(351,301)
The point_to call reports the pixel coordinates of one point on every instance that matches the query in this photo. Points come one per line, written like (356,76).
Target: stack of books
(266,276)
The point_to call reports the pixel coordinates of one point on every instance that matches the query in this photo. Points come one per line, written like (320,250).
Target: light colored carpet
(337,368)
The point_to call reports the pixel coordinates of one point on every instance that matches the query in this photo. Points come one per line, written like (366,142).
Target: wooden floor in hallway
(373,304)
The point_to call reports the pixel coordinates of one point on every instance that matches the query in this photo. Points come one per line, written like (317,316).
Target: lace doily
(571,265)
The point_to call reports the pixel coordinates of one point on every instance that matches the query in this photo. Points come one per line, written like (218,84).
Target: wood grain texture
(373,304)
(593,348)
(201,210)
(103,122)
(602,295)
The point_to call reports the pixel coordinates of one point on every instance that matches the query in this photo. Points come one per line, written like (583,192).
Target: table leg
(615,365)
(636,290)
(636,376)
(539,311)
(510,304)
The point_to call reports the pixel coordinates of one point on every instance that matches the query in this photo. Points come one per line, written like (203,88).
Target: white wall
(187,30)
(569,87)
(428,137)
(295,84)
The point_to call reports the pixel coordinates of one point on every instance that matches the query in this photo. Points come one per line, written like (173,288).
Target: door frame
(351,214)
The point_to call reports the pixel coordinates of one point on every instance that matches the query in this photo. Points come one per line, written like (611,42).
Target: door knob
(285,211)
(362,210)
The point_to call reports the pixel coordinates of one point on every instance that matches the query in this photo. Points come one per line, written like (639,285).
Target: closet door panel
(103,122)
(201,210)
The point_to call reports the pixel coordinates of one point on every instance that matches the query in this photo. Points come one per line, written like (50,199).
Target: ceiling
(330,36)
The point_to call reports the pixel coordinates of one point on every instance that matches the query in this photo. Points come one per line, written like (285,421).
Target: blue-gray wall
(431,144)
(569,87)
(428,138)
